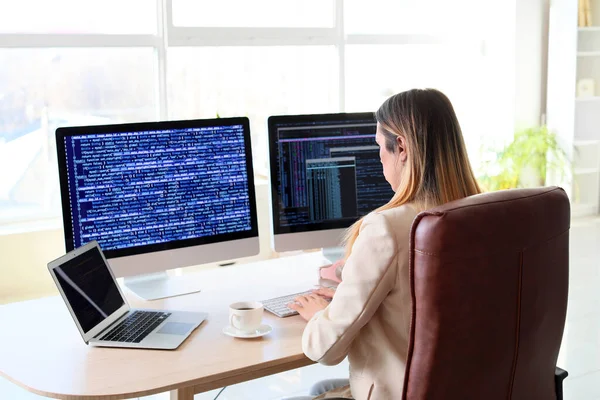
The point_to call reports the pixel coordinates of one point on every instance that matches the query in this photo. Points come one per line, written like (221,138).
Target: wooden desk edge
(250,375)
(186,390)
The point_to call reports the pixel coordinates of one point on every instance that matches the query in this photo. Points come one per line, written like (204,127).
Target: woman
(425,161)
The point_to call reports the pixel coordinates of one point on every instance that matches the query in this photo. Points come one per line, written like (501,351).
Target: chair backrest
(489,280)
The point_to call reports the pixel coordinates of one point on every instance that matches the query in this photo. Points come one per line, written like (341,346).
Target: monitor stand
(160,285)
(333,254)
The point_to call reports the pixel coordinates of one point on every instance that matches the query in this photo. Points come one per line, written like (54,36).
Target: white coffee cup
(245,316)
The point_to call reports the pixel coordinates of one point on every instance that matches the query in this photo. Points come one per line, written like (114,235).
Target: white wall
(531,54)
(23,259)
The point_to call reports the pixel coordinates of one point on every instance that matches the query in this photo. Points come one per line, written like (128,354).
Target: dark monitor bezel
(63,132)
(273,123)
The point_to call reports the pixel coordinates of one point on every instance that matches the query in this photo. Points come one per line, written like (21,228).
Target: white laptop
(101,313)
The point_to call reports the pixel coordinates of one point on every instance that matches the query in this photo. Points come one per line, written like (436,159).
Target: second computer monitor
(325,174)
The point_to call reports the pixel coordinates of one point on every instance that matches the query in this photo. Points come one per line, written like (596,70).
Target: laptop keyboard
(136,326)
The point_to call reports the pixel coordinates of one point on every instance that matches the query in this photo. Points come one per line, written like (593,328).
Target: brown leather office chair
(489,277)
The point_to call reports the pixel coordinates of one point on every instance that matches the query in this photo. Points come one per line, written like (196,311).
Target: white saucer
(261,331)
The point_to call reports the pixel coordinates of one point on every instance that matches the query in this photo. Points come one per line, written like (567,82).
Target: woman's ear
(402,153)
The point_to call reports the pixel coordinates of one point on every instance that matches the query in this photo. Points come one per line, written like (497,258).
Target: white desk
(42,351)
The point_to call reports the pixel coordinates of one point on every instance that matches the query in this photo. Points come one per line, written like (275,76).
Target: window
(78,17)
(375,72)
(252,81)
(255,13)
(415,17)
(78,63)
(42,89)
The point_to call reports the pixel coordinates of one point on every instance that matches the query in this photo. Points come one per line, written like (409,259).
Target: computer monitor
(325,174)
(159,195)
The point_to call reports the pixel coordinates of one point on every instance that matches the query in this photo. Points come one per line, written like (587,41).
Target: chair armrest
(559,377)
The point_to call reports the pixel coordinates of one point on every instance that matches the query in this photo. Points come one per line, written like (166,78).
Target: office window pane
(375,72)
(414,17)
(41,89)
(255,13)
(252,81)
(79,16)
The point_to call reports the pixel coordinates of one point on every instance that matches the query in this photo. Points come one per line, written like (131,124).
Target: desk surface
(42,351)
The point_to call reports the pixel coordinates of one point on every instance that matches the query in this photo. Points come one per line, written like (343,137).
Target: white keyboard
(278,305)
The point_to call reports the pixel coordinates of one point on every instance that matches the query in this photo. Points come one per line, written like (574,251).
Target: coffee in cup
(246,316)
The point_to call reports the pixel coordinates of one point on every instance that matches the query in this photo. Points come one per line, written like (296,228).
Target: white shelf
(587,99)
(583,143)
(584,171)
(576,120)
(588,54)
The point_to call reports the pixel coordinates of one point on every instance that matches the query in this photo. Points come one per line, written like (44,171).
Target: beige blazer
(368,319)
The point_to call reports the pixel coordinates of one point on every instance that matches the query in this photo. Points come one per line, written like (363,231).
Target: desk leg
(183,394)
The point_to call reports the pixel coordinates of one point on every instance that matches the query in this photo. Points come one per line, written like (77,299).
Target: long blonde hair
(437,168)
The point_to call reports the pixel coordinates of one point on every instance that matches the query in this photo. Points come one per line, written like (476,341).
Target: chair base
(559,377)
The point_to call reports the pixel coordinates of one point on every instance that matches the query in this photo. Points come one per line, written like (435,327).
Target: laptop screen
(90,288)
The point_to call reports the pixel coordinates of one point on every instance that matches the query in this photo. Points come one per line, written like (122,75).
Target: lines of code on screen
(329,171)
(140,188)
(331,187)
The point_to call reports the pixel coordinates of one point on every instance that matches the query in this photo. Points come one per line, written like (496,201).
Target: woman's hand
(325,292)
(309,305)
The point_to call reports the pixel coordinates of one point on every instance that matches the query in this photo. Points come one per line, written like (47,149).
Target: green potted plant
(525,161)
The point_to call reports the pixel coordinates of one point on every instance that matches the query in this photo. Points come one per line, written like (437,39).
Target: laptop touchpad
(175,328)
